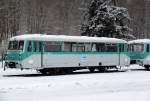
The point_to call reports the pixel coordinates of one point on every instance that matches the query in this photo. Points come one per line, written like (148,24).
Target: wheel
(147,67)
(102,69)
(91,69)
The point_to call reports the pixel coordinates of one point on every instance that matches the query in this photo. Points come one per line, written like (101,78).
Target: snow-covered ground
(28,85)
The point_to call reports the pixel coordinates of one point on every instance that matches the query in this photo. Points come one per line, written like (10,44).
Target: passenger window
(121,47)
(88,47)
(93,47)
(111,47)
(78,47)
(81,48)
(67,47)
(100,47)
(29,49)
(147,48)
(35,46)
(53,46)
(40,46)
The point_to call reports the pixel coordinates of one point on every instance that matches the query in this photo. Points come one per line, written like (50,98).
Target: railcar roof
(65,38)
(139,41)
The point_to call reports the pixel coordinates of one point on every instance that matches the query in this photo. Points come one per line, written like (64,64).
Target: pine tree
(105,20)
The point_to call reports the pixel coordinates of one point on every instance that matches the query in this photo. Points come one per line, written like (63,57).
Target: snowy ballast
(65,38)
(139,41)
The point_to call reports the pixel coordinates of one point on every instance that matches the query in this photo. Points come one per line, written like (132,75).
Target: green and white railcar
(57,53)
(139,51)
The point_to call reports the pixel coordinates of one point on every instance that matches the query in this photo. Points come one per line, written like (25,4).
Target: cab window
(16,45)
(136,47)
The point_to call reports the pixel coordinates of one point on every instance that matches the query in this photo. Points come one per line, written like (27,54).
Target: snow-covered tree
(104,19)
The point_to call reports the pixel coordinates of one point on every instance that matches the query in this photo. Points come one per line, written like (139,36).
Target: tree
(105,20)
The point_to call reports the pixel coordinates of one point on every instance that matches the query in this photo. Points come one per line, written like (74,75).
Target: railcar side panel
(60,60)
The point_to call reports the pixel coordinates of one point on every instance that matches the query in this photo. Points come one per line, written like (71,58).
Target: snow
(28,85)
(139,41)
(42,37)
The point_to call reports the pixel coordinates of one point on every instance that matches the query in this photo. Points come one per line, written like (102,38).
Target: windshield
(136,47)
(15,45)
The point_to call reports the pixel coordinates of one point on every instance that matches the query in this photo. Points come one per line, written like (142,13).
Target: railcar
(60,53)
(139,51)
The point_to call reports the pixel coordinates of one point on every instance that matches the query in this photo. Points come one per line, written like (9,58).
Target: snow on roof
(139,41)
(65,38)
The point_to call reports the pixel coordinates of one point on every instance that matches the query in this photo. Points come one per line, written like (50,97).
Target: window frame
(133,47)
(75,47)
(17,45)
(52,43)
(148,48)
(103,47)
(31,46)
